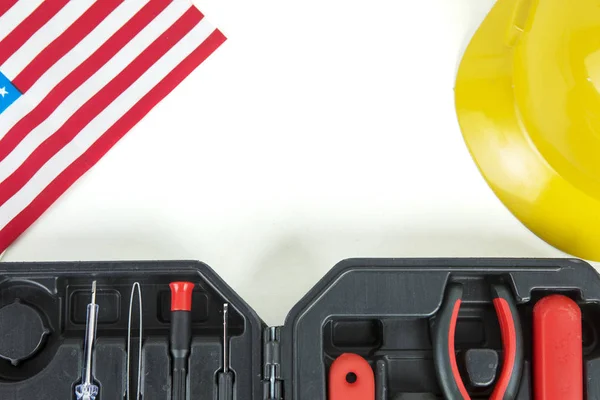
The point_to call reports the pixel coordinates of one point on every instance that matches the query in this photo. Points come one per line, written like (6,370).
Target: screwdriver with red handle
(181,336)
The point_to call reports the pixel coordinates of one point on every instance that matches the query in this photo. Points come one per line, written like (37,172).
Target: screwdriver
(225,383)
(181,336)
(87,390)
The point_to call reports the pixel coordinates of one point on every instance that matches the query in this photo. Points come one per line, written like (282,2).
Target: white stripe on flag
(16,14)
(63,67)
(92,86)
(43,37)
(104,121)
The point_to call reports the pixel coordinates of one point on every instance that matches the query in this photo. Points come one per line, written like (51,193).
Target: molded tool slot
(355,333)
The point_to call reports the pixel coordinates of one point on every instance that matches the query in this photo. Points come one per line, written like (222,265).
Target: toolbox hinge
(272,377)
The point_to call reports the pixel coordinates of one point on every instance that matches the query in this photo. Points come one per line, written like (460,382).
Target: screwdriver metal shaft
(225,382)
(87,390)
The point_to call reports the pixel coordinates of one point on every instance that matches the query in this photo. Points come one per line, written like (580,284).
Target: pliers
(444,328)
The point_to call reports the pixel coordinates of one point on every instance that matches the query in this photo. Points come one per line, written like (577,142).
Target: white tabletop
(321,130)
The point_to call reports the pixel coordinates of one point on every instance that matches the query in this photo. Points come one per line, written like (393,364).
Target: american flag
(75,77)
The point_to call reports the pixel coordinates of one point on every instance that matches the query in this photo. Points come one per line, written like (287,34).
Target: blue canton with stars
(8,93)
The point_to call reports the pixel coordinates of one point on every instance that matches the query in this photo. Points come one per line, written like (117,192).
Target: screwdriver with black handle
(225,377)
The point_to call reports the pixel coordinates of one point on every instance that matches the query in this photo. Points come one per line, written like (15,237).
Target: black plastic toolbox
(377,308)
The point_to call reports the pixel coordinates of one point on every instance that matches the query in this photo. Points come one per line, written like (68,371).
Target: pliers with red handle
(444,328)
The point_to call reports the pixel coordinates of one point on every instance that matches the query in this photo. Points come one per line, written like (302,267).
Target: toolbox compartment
(60,293)
(381,309)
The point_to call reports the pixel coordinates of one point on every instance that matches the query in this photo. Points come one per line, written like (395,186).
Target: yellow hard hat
(528,103)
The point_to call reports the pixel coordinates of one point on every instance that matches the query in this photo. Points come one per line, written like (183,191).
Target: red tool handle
(181,296)
(557,349)
(507,385)
(351,378)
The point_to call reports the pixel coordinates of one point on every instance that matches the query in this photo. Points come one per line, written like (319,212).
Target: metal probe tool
(225,382)
(87,390)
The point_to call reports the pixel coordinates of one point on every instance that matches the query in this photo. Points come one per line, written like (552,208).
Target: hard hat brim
(562,214)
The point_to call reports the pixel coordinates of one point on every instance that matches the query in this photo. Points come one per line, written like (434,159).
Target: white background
(321,130)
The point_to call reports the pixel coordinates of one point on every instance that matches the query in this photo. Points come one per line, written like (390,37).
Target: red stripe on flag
(5,5)
(30,25)
(79,75)
(88,159)
(82,117)
(74,34)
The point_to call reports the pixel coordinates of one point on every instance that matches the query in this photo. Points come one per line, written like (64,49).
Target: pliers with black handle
(444,328)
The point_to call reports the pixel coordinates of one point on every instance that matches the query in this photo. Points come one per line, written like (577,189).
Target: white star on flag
(3,92)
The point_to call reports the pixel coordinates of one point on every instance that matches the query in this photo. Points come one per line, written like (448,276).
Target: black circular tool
(22,332)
